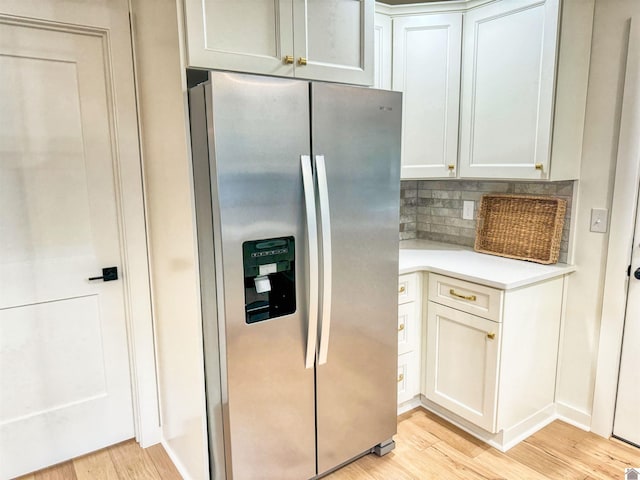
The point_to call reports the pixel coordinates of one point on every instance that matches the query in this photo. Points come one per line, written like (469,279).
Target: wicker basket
(522,227)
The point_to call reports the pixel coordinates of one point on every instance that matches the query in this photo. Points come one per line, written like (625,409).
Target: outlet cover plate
(467,209)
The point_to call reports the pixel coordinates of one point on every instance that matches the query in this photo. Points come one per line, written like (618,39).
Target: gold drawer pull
(464,297)
(402,289)
(451,167)
(400,377)
(302,61)
(288,59)
(491,335)
(401,327)
(539,166)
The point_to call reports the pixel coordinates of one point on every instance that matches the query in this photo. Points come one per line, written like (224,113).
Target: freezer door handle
(312,238)
(325,227)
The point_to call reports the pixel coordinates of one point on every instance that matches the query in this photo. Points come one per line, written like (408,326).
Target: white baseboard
(573,416)
(409,405)
(505,439)
(176,462)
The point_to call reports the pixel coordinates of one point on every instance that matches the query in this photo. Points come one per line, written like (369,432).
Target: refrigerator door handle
(312,238)
(325,225)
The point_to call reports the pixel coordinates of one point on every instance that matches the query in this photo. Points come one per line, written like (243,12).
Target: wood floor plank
(568,448)
(163,463)
(132,462)
(95,466)
(415,435)
(610,452)
(547,463)
(384,468)
(561,430)
(457,438)
(352,471)
(63,471)
(506,468)
(462,464)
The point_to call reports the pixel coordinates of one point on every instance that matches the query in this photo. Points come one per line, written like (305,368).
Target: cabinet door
(242,35)
(334,40)
(462,364)
(408,328)
(408,376)
(508,74)
(382,51)
(426,69)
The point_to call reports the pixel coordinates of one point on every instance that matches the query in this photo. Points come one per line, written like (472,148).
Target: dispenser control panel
(269,278)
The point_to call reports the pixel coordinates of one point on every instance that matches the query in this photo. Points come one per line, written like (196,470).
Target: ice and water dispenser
(269,278)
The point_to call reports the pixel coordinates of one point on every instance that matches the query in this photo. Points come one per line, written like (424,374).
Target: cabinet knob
(302,61)
(288,59)
(491,336)
(401,327)
(401,289)
(400,377)
(451,167)
(539,166)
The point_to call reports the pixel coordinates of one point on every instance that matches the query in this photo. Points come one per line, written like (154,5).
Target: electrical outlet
(599,220)
(467,209)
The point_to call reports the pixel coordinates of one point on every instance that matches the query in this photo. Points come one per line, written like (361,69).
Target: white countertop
(464,263)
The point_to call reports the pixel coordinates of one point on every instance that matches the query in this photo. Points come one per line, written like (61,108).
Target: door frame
(116,39)
(623,220)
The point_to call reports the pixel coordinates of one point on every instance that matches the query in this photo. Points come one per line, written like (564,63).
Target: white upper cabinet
(426,68)
(508,76)
(518,73)
(328,40)
(382,51)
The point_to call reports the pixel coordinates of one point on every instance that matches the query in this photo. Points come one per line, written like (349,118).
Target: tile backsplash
(432,209)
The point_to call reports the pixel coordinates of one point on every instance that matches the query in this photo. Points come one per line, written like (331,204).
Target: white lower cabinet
(491,355)
(409,336)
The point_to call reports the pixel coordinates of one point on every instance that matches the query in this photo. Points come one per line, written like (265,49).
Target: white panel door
(462,364)
(426,69)
(64,365)
(241,35)
(382,51)
(333,40)
(508,75)
(627,414)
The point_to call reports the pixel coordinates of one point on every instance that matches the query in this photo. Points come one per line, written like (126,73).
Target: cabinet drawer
(407,285)
(469,297)
(408,328)
(408,376)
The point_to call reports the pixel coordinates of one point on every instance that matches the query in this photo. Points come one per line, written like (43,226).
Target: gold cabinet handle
(302,61)
(401,327)
(451,167)
(400,377)
(464,297)
(539,166)
(491,335)
(288,59)
(401,289)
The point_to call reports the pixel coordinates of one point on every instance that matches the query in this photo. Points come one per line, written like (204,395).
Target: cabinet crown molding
(450,6)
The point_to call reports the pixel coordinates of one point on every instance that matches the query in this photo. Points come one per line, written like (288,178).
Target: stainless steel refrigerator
(297,201)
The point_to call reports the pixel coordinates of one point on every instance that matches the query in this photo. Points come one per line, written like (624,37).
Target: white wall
(579,346)
(167,176)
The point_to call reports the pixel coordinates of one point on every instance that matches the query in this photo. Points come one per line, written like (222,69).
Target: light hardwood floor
(124,461)
(427,447)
